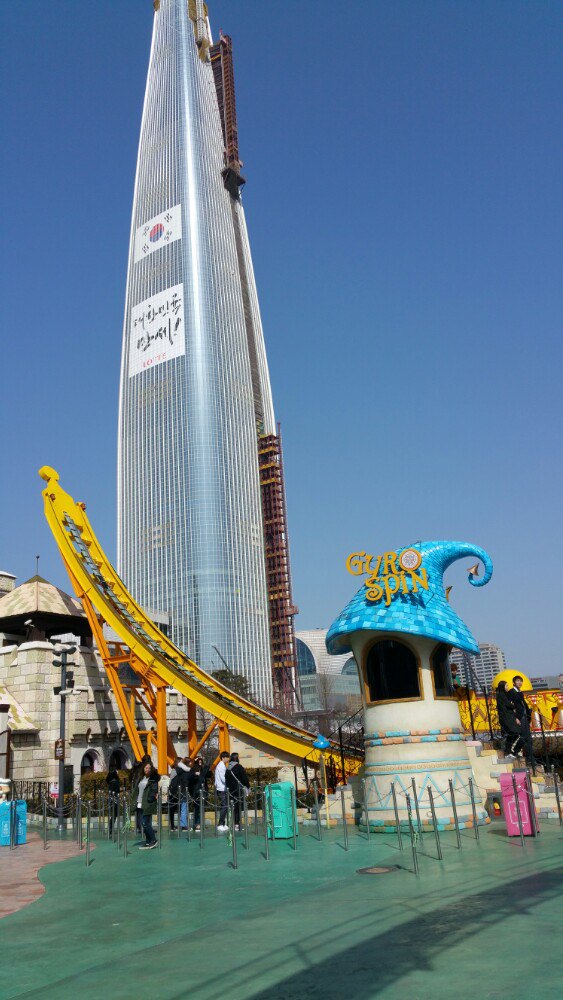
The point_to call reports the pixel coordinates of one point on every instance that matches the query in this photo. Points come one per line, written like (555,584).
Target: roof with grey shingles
(37,595)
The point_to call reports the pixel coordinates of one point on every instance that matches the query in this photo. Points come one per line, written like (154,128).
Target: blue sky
(405,217)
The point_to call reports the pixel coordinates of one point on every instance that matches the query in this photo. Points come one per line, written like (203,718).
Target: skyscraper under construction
(201,509)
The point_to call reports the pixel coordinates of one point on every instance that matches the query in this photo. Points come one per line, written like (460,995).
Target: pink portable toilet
(525,801)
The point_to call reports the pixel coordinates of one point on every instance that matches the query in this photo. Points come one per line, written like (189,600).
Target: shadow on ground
(367,969)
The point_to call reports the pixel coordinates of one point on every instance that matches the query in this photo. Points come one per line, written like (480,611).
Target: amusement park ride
(157,663)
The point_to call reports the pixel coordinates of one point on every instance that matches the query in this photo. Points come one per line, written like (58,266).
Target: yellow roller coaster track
(156,661)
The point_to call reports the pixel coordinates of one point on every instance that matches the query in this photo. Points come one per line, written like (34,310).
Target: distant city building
(490,661)
(202,530)
(549,682)
(327,682)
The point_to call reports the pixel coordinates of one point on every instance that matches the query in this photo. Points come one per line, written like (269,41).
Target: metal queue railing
(111,816)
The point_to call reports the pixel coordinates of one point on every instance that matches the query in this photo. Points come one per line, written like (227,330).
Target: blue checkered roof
(426,613)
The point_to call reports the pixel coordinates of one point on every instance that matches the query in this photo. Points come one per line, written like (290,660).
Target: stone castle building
(31,617)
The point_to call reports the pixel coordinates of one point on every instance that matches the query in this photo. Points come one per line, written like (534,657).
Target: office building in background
(202,534)
(485,666)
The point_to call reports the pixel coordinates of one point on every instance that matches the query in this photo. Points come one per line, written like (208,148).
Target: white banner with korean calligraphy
(164,228)
(157,332)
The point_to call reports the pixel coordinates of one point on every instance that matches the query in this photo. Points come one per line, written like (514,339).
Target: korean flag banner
(157,232)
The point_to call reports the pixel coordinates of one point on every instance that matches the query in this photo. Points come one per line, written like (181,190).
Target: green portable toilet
(279,797)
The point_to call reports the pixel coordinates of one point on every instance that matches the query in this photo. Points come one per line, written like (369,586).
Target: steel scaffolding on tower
(278,575)
(221,56)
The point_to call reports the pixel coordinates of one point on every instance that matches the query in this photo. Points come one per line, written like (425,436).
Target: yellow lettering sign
(391,587)
(355,563)
(389,574)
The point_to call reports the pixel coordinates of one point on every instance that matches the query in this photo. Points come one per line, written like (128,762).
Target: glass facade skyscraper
(195,389)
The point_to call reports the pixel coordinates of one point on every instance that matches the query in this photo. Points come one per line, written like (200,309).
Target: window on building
(305,659)
(88,763)
(441,672)
(350,667)
(391,672)
(118,760)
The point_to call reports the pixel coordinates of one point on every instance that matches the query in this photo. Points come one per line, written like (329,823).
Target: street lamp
(66,687)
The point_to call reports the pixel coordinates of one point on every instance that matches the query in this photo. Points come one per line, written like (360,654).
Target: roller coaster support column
(224,740)
(161,730)
(126,711)
(192,729)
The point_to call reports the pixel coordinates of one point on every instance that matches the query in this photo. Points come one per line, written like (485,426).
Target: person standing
(173,796)
(238,785)
(112,781)
(511,727)
(221,790)
(136,778)
(198,784)
(523,713)
(149,796)
(184,771)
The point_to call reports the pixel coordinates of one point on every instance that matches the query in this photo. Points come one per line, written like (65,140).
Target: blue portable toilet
(280,796)
(6,811)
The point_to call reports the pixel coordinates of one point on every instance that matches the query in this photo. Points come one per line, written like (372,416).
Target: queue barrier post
(435,824)
(317,811)
(518,813)
(532,806)
(294,818)
(245,815)
(412,834)
(125,836)
(344,823)
(265,818)
(473,808)
(12,819)
(416,806)
(233,835)
(557,798)
(366,808)
(454,810)
(397,820)
(88,822)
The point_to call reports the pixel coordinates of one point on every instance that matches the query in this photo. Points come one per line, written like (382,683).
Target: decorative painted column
(400,627)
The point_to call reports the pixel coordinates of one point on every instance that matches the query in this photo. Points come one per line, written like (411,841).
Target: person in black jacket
(236,780)
(509,724)
(184,770)
(148,789)
(198,783)
(112,781)
(523,714)
(173,797)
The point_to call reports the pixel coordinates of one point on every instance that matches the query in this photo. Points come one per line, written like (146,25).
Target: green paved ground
(180,922)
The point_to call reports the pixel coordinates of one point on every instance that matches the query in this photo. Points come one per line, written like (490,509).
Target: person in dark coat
(509,724)
(523,714)
(148,788)
(198,783)
(112,781)
(173,796)
(184,770)
(236,780)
